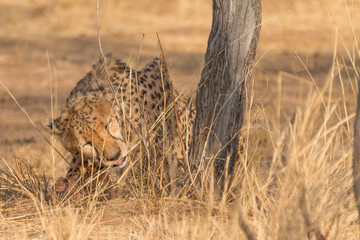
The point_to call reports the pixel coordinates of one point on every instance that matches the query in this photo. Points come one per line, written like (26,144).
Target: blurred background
(45,41)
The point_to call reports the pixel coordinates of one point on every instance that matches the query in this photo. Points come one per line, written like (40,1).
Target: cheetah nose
(116,156)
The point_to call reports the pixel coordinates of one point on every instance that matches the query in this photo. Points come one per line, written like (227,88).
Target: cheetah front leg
(74,169)
(172,162)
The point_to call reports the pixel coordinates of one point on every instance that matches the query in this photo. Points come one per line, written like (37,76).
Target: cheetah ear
(50,127)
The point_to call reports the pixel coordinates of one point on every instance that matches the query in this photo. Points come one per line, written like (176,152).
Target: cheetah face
(91,132)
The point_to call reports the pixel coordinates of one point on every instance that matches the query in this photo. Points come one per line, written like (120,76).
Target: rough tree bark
(356,157)
(221,96)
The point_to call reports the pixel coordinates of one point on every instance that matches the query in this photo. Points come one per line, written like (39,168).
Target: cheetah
(97,127)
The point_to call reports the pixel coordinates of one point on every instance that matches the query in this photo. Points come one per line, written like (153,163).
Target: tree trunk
(221,96)
(356,158)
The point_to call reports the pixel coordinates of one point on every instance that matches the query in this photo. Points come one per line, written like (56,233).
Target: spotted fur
(96,128)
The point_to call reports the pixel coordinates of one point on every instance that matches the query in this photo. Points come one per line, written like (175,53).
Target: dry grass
(294,179)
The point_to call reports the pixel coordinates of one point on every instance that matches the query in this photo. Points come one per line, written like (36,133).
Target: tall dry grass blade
(109,81)
(52,116)
(22,180)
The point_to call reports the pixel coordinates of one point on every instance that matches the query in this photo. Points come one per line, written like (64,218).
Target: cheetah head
(91,131)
